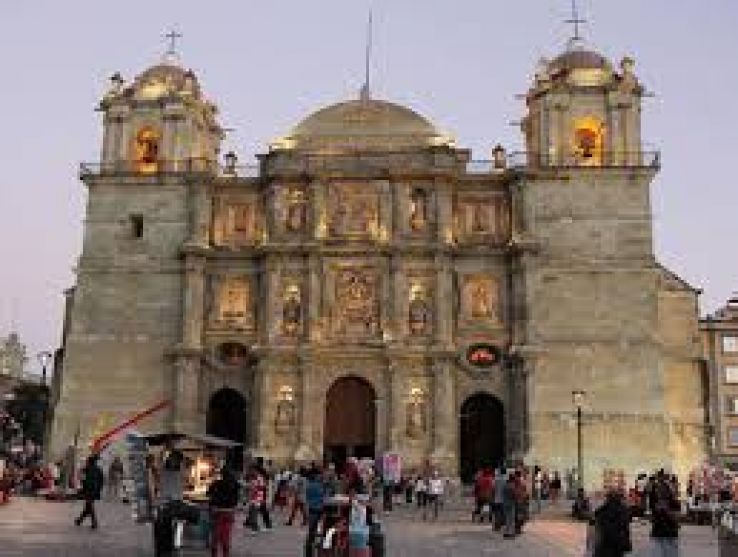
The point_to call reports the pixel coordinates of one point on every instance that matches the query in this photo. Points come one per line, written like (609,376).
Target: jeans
(665,547)
(314,516)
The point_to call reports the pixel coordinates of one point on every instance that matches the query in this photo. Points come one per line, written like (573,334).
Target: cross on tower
(172,36)
(575,20)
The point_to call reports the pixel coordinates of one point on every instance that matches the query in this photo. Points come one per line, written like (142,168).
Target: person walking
(222,500)
(484,487)
(115,478)
(435,494)
(612,527)
(509,506)
(315,493)
(498,498)
(92,485)
(664,518)
(298,485)
(258,501)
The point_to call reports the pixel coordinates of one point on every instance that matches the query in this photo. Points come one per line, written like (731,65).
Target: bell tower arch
(582,112)
(160,122)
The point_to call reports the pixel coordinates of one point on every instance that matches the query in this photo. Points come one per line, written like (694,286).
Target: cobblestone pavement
(34,528)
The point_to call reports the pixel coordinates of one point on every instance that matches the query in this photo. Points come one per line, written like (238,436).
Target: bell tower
(158,123)
(583,112)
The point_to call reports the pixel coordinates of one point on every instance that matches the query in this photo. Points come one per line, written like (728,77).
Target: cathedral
(366,287)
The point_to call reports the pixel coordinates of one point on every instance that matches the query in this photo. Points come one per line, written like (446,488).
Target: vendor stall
(182,466)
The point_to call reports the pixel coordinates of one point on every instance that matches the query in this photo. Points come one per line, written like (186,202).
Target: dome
(364,124)
(580,59)
(166,78)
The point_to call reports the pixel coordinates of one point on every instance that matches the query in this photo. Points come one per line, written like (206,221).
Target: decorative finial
(171,52)
(365,93)
(575,20)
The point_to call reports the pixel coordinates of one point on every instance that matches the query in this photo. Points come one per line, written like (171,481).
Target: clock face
(483,355)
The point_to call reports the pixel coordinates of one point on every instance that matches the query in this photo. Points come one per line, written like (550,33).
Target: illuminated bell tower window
(147,150)
(588,141)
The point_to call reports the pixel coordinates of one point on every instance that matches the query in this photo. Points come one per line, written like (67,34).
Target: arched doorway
(481,434)
(227,418)
(350,420)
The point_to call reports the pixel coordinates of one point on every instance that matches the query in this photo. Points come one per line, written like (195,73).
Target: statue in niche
(480,217)
(415,423)
(292,311)
(295,216)
(418,210)
(147,150)
(419,314)
(284,419)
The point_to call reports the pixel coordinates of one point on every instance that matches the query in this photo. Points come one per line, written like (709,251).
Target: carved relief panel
(480,299)
(356,307)
(482,217)
(353,210)
(232,303)
(236,221)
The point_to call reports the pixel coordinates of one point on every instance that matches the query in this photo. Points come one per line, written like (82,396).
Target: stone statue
(292,313)
(419,316)
(481,306)
(295,216)
(285,417)
(418,210)
(416,415)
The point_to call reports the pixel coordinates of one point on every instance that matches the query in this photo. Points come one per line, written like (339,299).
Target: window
(137,226)
(733,436)
(731,405)
(730,344)
(731,374)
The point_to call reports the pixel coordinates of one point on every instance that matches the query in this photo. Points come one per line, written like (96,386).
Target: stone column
(314,312)
(398,299)
(306,450)
(185,413)
(444,302)
(394,400)
(270,310)
(444,414)
(262,442)
(193,301)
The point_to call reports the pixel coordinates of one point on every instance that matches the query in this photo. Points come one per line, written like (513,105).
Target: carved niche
(480,298)
(232,304)
(482,217)
(418,210)
(357,302)
(235,222)
(353,210)
(416,422)
(420,304)
(295,210)
(291,309)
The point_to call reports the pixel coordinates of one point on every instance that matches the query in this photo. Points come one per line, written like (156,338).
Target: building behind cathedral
(367,287)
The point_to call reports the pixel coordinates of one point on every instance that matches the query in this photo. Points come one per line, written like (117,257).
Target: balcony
(167,167)
(527,161)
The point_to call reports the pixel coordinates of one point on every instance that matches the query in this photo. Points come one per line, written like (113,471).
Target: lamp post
(44,359)
(578,400)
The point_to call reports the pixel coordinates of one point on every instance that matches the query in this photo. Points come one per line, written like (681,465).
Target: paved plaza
(35,528)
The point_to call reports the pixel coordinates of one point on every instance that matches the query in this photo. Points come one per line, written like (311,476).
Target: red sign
(483,355)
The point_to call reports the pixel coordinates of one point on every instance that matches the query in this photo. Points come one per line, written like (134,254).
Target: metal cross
(172,36)
(575,20)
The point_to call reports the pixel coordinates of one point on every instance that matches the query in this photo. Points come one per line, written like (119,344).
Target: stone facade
(366,245)
(719,339)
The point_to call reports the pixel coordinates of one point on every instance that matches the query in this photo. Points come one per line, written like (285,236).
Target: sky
(268,64)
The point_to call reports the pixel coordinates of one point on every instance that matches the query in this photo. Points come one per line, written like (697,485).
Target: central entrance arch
(227,418)
(481,434)
(350,420)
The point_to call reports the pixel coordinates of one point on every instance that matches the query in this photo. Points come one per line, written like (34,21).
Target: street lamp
(44,359)
(577,397)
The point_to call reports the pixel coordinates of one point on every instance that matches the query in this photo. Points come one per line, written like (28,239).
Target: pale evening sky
(267,64)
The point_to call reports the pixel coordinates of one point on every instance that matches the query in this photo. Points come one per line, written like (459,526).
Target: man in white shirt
(435,493)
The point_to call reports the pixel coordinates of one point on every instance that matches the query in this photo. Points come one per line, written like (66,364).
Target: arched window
(147,150)
(588,141)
